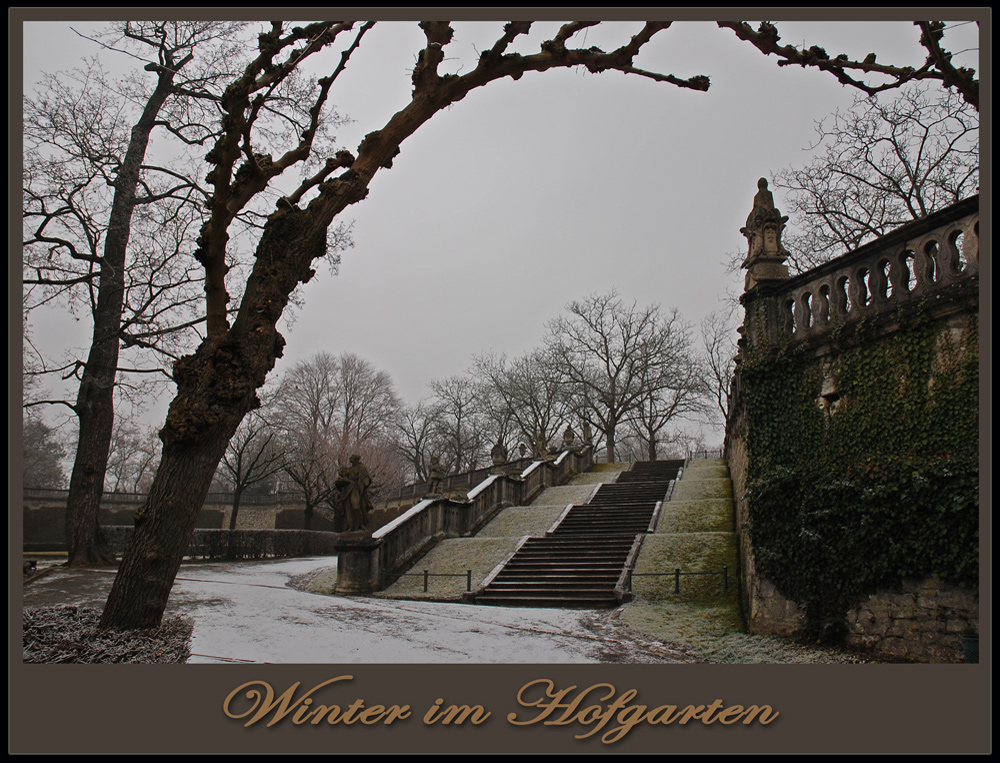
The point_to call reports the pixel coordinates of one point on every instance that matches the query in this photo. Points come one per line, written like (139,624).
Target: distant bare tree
(417,437)
(132,458)
(682,395)
(367,405)
(885,162)
(329,408)
(530,390)
(612,357)
(461,428)
(719,337)
(254,455)
(311,465)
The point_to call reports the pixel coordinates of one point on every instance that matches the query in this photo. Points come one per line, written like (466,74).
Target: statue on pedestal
(568,436)
(765,254)
(353,483)
(499,456)
(435,477)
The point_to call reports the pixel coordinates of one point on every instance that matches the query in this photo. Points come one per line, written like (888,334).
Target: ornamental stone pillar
(765,266)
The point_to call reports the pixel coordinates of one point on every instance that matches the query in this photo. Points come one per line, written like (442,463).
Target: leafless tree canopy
(461,427)
(327,408)
(623,363)
(719,344)
(132,460)
(531,392)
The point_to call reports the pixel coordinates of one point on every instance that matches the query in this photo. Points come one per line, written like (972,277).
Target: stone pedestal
(359,567)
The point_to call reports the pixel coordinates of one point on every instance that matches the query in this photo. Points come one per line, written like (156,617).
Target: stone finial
(765,254)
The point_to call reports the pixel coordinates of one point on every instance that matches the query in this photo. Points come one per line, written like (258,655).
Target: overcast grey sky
(529,194)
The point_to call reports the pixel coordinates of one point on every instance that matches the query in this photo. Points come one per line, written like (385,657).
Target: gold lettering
(669,713)
(617,714)
(457,714)
(730,714)
(767,714)
(264,703)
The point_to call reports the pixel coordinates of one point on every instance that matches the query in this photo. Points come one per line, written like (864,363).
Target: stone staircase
(581,561)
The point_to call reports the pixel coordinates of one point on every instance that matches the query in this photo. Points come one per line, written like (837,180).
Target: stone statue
(353,482)
(765,254)
(522,449)
(568,436)
(499,456)
(588,436)
(540,450)
(435,477)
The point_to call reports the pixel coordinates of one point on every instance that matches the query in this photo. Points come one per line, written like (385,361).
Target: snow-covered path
(248,613)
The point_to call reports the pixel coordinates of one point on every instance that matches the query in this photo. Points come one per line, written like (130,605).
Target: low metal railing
(427,574)
(676,575)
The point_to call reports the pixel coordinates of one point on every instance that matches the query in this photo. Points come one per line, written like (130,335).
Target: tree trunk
(237,494)
(216,388)
(85,542)
(149,566)
(610,447)
(652,448)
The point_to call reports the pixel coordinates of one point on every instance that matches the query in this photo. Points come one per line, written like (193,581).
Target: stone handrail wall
(367,564)
(466,480)
(930,259)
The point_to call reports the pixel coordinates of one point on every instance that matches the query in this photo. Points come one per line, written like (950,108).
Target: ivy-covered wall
(861,459)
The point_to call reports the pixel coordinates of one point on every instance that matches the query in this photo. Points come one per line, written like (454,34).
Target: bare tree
(311,465)
(132,457)
(417,437)
(254,456)
(682,394)
(719,345)
(329,408)
(613,357)
(884,162)
(368,406)
(530,390)
(461,428)
(88,187)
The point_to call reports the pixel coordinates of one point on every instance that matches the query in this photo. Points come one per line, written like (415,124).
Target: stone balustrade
(368,563)
(932,260)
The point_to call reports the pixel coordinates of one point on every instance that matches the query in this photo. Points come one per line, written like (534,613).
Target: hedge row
(243,544)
